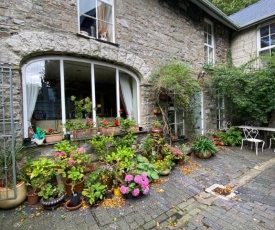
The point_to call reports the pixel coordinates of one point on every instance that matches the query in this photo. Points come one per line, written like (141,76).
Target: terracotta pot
(156,132)
(71,207)
(77,188)
(9,193)
(84,133)
(54,138)
(33,198)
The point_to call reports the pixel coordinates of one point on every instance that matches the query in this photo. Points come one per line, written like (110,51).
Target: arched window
(49,83)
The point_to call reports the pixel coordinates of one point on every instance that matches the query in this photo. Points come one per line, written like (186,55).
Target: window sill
(88,37)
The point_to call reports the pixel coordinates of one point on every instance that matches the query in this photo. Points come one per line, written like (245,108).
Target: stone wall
(148,32)
(244,46)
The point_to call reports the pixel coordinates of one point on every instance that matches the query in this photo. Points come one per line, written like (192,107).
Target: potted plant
(52,136)
(127,125)
(135,185)
(156,131)
(231,137)
(75,179)
(82,129)
(203,147)
(102,145)
(8,185)
(94,190)
(144,165)
(164,166)
(52,195)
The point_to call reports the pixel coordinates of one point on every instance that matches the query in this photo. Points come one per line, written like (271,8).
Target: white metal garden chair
(250,135)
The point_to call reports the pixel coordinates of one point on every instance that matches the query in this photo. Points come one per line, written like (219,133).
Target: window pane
(48,101)
(265,42)
(88,21)
(77,78)
(209,39)
(272,28)
(272,39)
(205,37)
(105,86)
(265,52)
(264,31)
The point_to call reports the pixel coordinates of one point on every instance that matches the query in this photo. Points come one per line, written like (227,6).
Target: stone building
(106,50)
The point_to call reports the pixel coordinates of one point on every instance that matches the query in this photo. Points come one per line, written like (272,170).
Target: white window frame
(208,45)
(108,2)
(268,48)
(92,62)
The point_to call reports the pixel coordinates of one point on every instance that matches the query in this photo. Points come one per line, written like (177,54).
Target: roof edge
(216,13)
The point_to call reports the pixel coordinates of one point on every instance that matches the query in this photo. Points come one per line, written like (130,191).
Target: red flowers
(116,122)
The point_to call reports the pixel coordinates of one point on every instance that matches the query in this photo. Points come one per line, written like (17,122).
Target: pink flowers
(135,184)
(90,122)
(80,150)
(60,154)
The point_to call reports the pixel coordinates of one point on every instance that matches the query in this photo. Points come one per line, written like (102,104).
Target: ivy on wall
(251,92)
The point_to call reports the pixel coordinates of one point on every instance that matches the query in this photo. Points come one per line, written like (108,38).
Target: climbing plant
(176,80)
(251,92)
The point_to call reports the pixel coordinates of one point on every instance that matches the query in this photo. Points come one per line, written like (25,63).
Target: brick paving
(179,202)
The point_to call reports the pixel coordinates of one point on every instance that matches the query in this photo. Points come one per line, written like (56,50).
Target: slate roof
(255,13)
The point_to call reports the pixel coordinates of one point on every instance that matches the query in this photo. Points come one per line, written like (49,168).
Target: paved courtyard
(178,201)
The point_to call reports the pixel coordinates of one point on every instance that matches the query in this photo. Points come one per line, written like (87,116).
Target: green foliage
(175,77)
(251,94)
(204,145)
(232,6)
(143,165)
(64,146)
(82,105)
(231,137)
(49,191)
(75,173)
(6,160)
(121,159)
(126,140)
(101,144)
(125,124)
(94,192)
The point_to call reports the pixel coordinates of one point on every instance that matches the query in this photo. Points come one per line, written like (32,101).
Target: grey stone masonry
(148,33)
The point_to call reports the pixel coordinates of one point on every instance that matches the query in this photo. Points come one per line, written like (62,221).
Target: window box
(53,138)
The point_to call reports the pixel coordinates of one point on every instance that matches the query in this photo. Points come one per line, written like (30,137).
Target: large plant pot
(52,203)
(54,138)
(77,188)
(21,196)
(203,156)
(110,130)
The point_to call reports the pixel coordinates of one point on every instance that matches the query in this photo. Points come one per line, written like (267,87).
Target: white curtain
(32,93)
(127,94)
(104,19)
(34,74)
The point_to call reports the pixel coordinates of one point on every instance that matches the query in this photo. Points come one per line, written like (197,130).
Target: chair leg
(263,146)
(242,145)
(256,146)
(270,140)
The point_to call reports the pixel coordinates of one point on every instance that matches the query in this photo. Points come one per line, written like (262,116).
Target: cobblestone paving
(179,202)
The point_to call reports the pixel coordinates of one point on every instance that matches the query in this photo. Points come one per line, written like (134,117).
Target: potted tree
(203,147)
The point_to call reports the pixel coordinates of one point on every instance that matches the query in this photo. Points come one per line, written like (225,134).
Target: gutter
(216,13)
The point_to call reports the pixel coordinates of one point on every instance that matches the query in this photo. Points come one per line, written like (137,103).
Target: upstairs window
(96,19)
(267,39)
(208,43)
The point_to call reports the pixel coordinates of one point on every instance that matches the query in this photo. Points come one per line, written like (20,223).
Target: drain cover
(214,186)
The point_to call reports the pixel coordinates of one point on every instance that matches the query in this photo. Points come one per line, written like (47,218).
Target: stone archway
(26,44)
